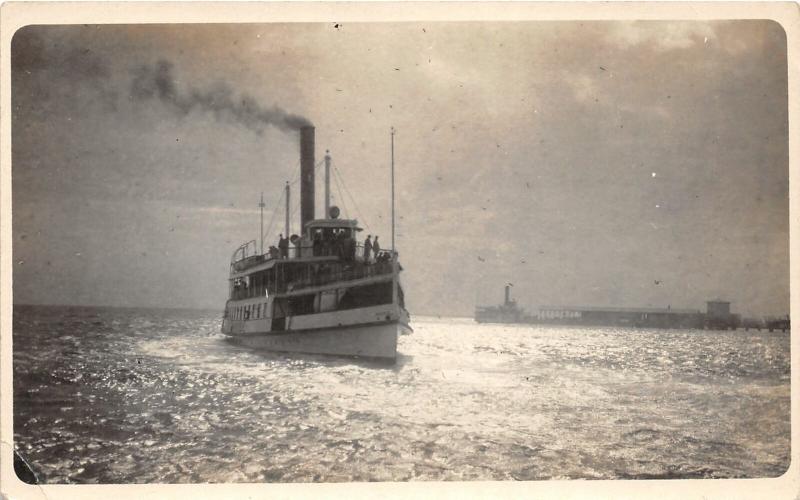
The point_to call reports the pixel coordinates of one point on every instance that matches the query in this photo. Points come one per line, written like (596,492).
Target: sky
(630,164)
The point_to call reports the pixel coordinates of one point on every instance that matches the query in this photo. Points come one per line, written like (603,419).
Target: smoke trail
(158,82)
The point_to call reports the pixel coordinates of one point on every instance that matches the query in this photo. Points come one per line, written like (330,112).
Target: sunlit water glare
(140,395)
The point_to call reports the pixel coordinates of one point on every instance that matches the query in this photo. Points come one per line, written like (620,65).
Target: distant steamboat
(323,295)
(718,316)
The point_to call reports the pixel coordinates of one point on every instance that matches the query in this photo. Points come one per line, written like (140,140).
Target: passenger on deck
(350,248)
(376,247)
(367,248)
(283,246)
(317,244)
(305,246)
(343,245)
(327,241)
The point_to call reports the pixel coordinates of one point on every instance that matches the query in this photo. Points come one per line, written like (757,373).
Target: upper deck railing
(246,256)
(327,275)
(320,274)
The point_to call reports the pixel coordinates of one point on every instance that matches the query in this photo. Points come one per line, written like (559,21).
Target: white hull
(377,340)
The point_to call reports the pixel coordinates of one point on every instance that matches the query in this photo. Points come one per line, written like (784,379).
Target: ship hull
(376,340)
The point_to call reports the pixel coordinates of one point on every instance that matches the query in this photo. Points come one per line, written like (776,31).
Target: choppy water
(116,396)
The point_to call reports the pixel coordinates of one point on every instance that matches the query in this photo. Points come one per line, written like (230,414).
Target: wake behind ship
(324,295)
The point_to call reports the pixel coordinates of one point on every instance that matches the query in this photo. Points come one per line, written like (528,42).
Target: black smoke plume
(158,82)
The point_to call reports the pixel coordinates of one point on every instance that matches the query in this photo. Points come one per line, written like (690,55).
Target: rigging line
(341,196)
(352,199)
(272,219)
(296,178)
(297,173)
(296,208)
(294,169)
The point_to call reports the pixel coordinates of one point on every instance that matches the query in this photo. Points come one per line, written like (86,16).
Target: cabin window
(365,296)
(301,304)
(326,301)
(258,311)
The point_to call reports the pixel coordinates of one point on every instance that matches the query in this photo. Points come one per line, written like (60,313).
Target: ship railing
(324,275)
(247,255)
(321,250)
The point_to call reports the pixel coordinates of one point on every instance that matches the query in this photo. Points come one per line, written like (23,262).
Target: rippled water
(134,395)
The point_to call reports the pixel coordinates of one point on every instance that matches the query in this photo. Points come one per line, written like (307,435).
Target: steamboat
(507,312)
(324,293)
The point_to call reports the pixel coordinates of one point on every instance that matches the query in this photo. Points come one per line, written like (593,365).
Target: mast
(392,190)
(261,206)
(327,184)
(286,233)
(395,267)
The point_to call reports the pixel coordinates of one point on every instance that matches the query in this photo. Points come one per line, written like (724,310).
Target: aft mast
(395,269)
(392,133)
(287,228)
(261,206)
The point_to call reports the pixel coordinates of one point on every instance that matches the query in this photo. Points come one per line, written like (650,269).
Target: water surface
(140,395)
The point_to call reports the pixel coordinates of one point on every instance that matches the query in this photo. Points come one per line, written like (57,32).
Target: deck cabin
(325,271)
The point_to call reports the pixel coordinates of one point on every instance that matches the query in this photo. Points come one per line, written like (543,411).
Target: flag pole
(261,206)
(393,247)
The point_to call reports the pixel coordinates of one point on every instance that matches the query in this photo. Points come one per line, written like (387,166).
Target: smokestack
(508,297)
(306,175)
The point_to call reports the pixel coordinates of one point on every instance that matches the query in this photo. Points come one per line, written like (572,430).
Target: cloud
(661,36)
(583,87)
(50,71)
(226,210)
(513,144)
(31,52)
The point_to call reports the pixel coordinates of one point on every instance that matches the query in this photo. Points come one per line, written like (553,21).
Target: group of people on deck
(372,251)
(282,250)
(331,242)
(339,242)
